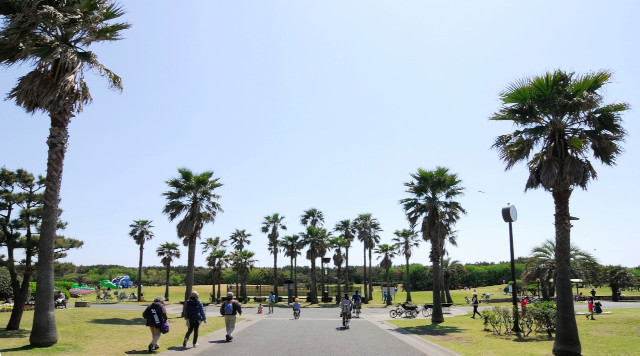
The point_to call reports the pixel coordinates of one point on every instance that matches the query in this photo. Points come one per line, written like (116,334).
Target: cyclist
(346,305)
(296,306)
(357,300)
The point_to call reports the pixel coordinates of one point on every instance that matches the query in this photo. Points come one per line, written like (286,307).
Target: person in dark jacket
(229,309)
(195,315)
(156,315)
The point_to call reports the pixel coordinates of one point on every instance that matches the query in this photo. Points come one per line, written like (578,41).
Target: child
(296,306)
(260,308)
(590,306)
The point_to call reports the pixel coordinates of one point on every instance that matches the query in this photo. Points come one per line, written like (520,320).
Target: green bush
(544,316)
(6,292)
(539,317)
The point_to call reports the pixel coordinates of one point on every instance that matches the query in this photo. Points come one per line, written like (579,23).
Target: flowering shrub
(77,292)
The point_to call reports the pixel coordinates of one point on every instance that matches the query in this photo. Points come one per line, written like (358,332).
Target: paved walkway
(317,332)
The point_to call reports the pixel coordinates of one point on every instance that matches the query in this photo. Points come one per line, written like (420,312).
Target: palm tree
(168,251)
(312,217)
(318,240)
(218,259)
(55,36)
(449,269)
(215,245)
(347,232)
(367,229)
(338,243)
(433,207)
(193,197)
(243,262)
(239,238)
(270,226)
(405,241)
(387,253)
(541,266)
(292,247)
(140,232)
(561,119)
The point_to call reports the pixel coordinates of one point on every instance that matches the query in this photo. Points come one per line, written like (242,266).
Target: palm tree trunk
(213,284)
(388,301)
(567,340)
(346,271)
(437,316)
(44,332)
(370,275)
(295,275)
(190,269)
(364,273)
(442,288)
(140,270)
(166,289)
(314,292)
(275,270)
(446,290)
(407,287)
(219,275)
(339,275)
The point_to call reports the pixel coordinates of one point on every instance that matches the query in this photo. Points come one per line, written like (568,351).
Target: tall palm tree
(541,266)
(318,241)
(347,231)
(140,232)
(270,226)
(55,36)
(194,197)
(239,238)
(561,120)
(312,217)
(167,251)
(405,241)
(338,243)
(386,252)
(243,262)
(213,244)
(432,207)
(292,246)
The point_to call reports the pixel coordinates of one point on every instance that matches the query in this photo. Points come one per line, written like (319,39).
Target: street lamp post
(509,214)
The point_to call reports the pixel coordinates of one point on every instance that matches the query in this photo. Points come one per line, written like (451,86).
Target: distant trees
(317,240)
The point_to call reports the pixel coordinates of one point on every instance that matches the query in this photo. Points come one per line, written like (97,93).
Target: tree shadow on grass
(119,321)
(18,349)
(432,329)
(9,334)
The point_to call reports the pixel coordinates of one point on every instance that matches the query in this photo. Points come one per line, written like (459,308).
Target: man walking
(230,308)
(272,301)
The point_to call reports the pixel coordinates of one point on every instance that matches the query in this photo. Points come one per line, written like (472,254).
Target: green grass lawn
(93,331)
(617,333)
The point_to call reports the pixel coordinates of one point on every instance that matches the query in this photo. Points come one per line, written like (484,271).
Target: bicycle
(296,313)
(426,310)
(409,311)
(357,308)
(345,320)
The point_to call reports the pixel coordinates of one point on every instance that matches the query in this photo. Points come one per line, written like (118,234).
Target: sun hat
(158,299)
(230,294)
(194,294)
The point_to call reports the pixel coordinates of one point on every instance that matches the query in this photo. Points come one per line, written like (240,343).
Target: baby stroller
(597,307)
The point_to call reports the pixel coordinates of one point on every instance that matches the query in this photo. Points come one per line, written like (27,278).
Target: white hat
(474,293)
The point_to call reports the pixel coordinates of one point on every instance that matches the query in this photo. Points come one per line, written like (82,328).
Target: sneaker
(195,345)
(184,342)
(156,347)
(227,338)
(150,348)
(230,338)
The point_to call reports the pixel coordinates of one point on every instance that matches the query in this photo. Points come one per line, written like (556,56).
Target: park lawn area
(97,331)
(617,333)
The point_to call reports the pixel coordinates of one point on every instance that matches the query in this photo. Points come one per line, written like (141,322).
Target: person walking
(156,315)
(272,301)
(195,315)
(474,303)
(590,306)
(230,308)
(593,292)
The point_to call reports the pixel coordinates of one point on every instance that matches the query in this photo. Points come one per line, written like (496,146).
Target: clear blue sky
(331,105)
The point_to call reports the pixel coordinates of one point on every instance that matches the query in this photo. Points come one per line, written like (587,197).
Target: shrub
(544,316)
(6,292)
(539,317)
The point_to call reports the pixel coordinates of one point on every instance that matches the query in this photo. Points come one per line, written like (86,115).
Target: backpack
(272,298)
(228,309)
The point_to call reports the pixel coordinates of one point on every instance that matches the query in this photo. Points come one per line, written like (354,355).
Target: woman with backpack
(195,315)
(156,316)
(229,309)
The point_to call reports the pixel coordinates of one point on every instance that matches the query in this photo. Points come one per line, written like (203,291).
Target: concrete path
(317,332)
